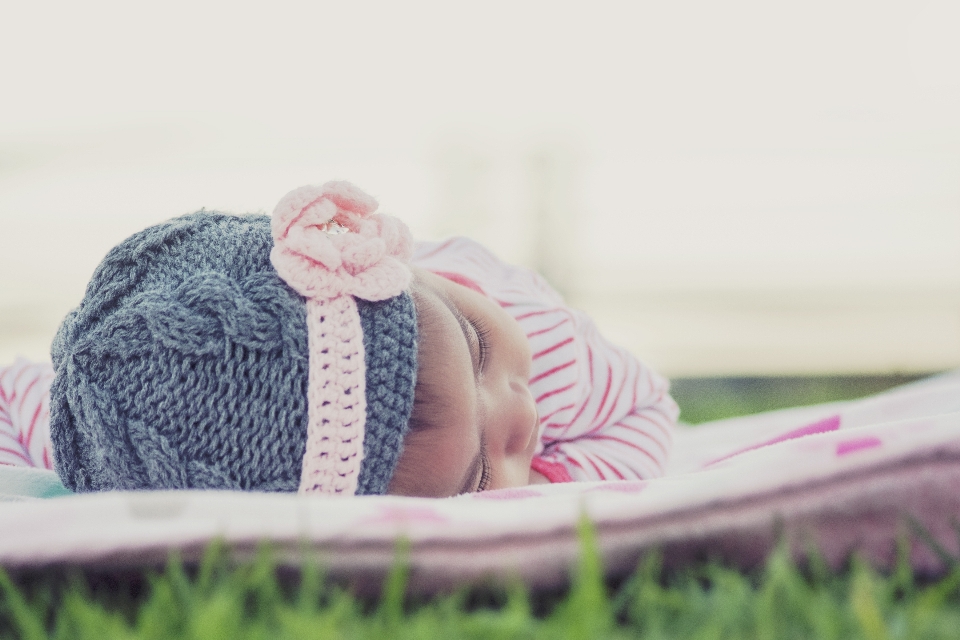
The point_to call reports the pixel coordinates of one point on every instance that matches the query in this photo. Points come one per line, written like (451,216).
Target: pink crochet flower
(368,262)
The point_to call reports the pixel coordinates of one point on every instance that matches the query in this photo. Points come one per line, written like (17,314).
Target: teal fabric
(25,483)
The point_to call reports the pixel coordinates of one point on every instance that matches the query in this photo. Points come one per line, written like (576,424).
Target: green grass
(703,399)
(707,601)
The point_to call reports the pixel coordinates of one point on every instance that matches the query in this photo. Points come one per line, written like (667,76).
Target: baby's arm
(623,425)
(24,414)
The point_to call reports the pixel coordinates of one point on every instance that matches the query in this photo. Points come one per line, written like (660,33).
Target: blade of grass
(390,611)
(586,612)
(30,625)
(863,602)
(212,566)
(931,542)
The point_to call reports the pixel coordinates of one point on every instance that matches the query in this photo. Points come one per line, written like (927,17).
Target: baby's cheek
(516,473)
(516,339)
(432,464)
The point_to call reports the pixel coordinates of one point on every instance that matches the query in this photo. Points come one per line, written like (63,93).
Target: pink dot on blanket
(508,494)
(821,426)
(857,444)
(390,514)
(635,486)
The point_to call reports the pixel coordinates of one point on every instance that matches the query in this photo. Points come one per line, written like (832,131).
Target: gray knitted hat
(186,366)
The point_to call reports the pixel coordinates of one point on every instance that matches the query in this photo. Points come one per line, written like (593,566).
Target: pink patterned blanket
(845,478)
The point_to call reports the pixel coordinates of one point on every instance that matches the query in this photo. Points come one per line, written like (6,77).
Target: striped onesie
(603,414)
(25,414)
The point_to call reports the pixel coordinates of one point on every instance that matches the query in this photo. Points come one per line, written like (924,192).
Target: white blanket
(843,477)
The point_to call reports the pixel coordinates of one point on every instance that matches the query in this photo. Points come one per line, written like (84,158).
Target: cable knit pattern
(331,246)
(186,365)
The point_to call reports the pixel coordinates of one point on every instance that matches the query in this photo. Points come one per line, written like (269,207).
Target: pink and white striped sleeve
(25,414)
(622,426)
(604,415)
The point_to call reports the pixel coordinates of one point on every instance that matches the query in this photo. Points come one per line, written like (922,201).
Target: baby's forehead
(431,304)
(443,354)
(444,435)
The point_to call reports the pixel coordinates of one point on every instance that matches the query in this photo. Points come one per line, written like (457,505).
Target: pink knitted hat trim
(331,246)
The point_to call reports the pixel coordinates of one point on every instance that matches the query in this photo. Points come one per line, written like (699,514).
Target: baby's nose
(523,418)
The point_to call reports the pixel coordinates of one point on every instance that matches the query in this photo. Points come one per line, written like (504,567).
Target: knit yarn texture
(185,366)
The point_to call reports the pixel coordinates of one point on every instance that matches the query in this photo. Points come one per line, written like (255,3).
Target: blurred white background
(729,188)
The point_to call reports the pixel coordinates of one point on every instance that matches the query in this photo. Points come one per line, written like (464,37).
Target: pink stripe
(550,394)
(644,433)
(553,471)
(33,423)
(664,429)
(595,467)
(606,392)
(436,250)
(557,368)
(543,419)
(858,444)
(590,369)
(463,281)
(530,314)
(632,486)
(653,458)
(47,463)
(613,404)
(19,454)
(610,466)
(542,331)
(822,426)
(562,343)
(13,387)
(26,392)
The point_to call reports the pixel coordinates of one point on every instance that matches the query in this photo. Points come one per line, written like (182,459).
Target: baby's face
(474,368)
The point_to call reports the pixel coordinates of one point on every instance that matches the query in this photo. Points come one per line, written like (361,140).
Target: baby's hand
(537,478)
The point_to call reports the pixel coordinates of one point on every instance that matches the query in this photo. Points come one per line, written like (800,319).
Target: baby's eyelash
(483,337)
(484,472)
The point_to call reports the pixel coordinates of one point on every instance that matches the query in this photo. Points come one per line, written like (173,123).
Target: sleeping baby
(323,351)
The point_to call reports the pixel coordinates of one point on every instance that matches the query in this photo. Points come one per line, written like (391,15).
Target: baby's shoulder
(505,282)
(455,249)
